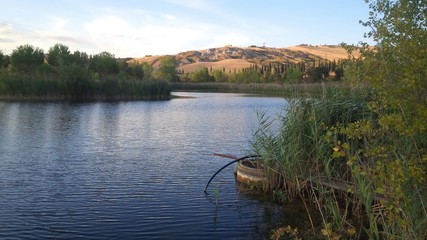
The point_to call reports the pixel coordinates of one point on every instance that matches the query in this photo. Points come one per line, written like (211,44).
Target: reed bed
(80,85)
(331,152)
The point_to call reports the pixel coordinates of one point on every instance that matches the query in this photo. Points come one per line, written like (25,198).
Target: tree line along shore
(29,73)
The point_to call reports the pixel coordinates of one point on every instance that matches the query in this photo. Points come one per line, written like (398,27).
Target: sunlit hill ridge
(231,57)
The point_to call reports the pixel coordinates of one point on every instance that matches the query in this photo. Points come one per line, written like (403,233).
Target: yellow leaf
(326,232)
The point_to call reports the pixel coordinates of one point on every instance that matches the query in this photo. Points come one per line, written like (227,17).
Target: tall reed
(332,151)
(78,84)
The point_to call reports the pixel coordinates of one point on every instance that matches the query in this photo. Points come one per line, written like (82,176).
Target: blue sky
(135,28)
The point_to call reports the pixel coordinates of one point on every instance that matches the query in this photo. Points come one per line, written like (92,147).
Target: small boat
(250,172)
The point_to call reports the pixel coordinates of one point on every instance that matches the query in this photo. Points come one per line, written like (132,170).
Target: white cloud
(230,38)
(8,37)
(161,35)
(169,17)
(5,28)
(59,23)
(125,32)
(56,32)
(109,26)
(44,36)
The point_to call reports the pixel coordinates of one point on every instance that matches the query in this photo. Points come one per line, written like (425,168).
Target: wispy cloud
(135,28)
(5,28)
(162,34)
(59,23)
(112,32)
(8,38)
(127,32)
(203,5)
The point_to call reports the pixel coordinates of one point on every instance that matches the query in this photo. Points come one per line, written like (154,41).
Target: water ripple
(127,170)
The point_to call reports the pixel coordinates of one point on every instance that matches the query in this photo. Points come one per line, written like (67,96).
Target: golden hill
(330,52)
(230,57)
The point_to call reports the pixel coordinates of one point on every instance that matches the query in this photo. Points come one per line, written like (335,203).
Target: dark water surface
(129,170)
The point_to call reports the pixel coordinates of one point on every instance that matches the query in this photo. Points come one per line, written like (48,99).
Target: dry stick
(309,215)
(318,205)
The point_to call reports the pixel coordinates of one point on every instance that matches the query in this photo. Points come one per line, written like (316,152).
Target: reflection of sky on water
(128,169)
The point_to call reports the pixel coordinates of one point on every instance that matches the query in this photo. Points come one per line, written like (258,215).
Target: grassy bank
(332,151)
(289,90)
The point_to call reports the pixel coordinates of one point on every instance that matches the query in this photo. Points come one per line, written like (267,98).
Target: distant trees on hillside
(167,69)
(201,75)
(271,72)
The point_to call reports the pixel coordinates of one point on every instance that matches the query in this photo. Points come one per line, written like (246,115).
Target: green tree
(1,59)
(104,64)
(394,151)
(80,58)
(201,75)
(246,76)
(59,55)
(397,65)
(136,70)
(318,73)
(147,69)
(6,61)
(219,75)
(293,75)
(167,69)
(339,73)
(76,81)
(27,58)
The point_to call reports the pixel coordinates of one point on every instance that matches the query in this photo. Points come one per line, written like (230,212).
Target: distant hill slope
(329,52)
(230,57)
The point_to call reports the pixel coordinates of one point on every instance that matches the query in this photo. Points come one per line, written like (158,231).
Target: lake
(131,170)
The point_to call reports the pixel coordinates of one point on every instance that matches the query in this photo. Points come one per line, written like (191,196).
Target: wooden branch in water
(226,156)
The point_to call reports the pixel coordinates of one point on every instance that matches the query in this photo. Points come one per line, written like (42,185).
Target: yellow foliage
(285,231)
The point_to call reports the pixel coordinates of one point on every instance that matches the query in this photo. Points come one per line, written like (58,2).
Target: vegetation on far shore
(272,72)
(30,74)
(360,156)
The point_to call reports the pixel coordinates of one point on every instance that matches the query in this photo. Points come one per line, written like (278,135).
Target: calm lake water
(131,170)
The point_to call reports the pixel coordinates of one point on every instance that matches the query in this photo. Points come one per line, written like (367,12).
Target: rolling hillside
(230,57)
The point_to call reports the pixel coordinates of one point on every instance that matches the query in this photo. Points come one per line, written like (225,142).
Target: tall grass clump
(366,179)
(300,148)
(75,83)
(364,162)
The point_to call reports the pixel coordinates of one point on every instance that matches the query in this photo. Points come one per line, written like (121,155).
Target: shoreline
(88,99)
